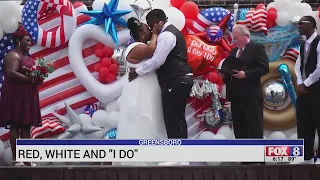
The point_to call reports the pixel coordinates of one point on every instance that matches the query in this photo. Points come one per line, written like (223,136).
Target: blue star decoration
(109,16)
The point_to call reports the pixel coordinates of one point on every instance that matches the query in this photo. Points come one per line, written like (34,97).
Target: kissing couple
(153,101)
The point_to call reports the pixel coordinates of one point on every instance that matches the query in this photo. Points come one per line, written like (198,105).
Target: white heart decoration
(103,92)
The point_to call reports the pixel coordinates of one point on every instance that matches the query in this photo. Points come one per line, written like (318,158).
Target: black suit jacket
(257,65)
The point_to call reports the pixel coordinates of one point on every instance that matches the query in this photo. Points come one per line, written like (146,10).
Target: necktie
(239,53)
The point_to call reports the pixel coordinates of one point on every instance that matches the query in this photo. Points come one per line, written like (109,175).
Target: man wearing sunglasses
(308,73)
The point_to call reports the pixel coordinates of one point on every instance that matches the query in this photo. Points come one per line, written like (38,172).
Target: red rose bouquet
(40,69)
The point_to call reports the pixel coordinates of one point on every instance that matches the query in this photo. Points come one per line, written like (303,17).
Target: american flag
(214,33)
(209,17)
(293,51)
(62,85)
(254,19)
(90,109)
(6,44)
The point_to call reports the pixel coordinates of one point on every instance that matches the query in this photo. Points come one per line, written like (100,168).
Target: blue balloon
(286,78)
(111,134)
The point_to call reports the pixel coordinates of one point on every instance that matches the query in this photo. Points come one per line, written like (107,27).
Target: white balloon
(225,131)
(175,17)
(112,119)
(18,2)
(7,156)
(270,5)
(112,107)
(305,7)
(18,14)
(85,118)
(98,4)
(125,5)
(296,1)
(219,136)
(103,92)
(2,148)
(283,19)
(1,34)
(277,135)
(160,4)
(264,137)
(281,4)
(99,118)
(294,136)
(9,25)
(206,135)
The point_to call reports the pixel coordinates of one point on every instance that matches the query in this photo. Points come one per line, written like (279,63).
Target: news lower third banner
(159,150)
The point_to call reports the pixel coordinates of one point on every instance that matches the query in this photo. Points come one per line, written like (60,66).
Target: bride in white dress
(141,114)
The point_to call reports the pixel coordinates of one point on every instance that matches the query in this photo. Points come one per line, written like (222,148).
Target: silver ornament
(141,8)
(275,93)
(118,55)
(212,119)
(295,20)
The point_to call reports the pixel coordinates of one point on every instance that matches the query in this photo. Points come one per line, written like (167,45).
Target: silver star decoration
(76,128)
(141,11)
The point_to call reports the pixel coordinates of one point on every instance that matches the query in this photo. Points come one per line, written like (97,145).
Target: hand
(302,89)
(239,74)
(132,74)
(157,28)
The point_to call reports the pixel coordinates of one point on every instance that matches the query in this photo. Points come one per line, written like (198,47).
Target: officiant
(242,71)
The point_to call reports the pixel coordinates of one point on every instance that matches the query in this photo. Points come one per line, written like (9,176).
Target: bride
(141,114)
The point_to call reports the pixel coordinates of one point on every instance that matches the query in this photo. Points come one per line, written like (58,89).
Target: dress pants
(308,120)
(247,117)
(175,94)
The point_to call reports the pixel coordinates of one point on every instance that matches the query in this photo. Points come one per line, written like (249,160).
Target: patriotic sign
(254,19)
(57,36)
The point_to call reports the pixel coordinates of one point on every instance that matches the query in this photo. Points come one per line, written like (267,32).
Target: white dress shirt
(313,77)
(165,43)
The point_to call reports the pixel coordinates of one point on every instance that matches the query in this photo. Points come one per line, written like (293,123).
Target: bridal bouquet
(40,69)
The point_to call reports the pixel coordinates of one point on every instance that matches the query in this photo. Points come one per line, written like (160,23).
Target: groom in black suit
(174,74)
(244,86)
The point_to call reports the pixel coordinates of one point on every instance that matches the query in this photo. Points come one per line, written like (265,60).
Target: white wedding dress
(141,114)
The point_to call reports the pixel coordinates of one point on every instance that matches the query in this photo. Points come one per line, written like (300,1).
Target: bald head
(241,35)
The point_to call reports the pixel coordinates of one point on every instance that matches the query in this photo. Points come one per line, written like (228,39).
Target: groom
(174,74)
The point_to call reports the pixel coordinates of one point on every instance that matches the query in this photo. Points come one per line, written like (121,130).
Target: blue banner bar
(159,142)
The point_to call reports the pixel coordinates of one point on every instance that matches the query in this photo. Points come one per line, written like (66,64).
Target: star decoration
(141,11)
(109,16)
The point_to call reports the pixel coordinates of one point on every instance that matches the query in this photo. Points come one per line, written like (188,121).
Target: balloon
(201,55)
(294,136)
(111,78)
(189,23)
(225,131)
(272,15)
(104,72)
(85,118)
(214,34)
(206,135)
(160,4)
(7,156)
(98,4)
(102,92)
(219,136)
(272,9)
(112,107)
(213,77)
(270,23)
(190,10)
(283,19)
(175,17)
(9,25)
(98,53)
(113,68)
(111,134)
(260,6)
(286,78)
(97,67)
(112,119)
(99,118)
(177,3)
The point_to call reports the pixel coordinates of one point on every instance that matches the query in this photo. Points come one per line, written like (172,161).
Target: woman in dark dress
(19,103)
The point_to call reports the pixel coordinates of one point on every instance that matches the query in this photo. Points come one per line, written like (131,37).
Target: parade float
(79,100)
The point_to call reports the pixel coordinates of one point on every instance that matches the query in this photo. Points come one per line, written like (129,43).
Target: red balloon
(98,46)
(98,53)
(189,23)
(272,9)
(106,51)
(104,72)
(220,80)
(113,61)
(190,10)
(270,24)
(213,77)
(113,68)
(219,88)
(177,3)
(259,6)
(184,31)
(272,15)
(97,67)
(106,62)
(111,78)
